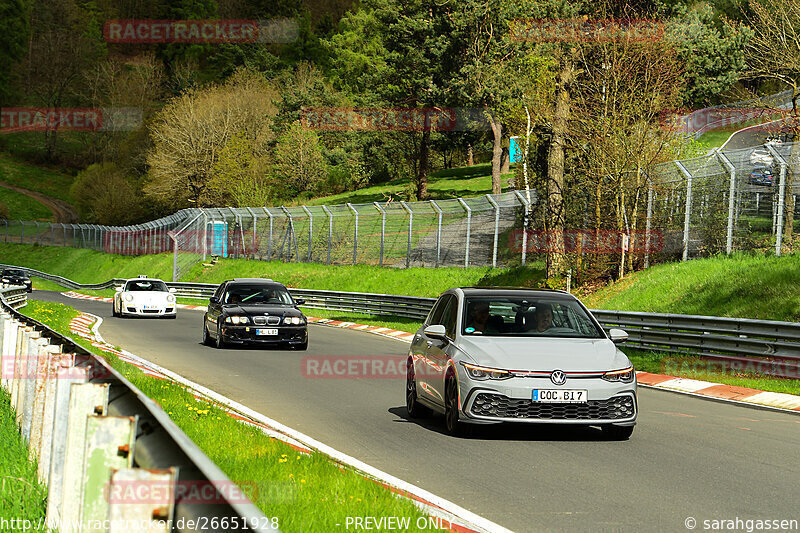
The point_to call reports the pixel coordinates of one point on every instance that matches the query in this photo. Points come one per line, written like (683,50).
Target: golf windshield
(521,317)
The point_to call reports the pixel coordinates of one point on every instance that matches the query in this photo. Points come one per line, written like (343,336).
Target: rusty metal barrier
(97,438)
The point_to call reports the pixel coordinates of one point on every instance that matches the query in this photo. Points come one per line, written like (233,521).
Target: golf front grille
(499,406)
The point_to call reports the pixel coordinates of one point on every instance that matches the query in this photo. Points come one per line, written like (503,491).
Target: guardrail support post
(688,211)
(438,231)
(383,228)
(269,240)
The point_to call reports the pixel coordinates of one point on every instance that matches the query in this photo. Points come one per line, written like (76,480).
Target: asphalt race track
(688,457)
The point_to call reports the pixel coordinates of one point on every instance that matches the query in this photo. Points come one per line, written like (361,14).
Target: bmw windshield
(525,317)
(257,295)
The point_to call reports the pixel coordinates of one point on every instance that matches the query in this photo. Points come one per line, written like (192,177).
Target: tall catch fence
(727,201)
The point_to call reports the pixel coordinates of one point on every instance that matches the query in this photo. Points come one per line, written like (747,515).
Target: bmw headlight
(236,319)
(620,376)
(482,372)
(5,280)
(292,320)
(129,297)
(171,298)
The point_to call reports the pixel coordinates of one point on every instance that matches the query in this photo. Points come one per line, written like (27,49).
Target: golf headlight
(129,297)
(236,319)
(171,298)
(482,372)
(620,376)
(292,320)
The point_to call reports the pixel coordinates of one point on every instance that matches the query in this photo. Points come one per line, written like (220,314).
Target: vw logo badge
(558,377)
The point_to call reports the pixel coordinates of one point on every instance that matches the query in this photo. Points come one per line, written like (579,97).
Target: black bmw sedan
(254,311)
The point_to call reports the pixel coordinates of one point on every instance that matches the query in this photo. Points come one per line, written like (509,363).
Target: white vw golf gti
(145,296)
(488,355)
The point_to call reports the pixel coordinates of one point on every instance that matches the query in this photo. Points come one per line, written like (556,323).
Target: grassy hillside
(88,266)
(22,207)
(35,178)
(745,286)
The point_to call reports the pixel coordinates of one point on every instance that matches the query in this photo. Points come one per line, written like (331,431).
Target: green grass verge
(686,366)
(305,492)
(21,495)
(88,266)
(23,207)
(34,177)
(743,286)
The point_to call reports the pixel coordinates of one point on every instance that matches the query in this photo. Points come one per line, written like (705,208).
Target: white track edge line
(471,518)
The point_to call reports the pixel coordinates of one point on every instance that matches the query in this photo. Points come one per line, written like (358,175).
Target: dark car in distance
(16,277)
(761,175)
(254,311)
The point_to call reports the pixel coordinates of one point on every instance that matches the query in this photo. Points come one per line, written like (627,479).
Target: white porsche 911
(144,296)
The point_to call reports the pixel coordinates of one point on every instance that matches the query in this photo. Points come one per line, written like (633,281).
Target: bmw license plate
(266,332)
(560,396)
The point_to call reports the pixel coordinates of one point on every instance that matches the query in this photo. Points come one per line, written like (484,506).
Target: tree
(773,52)
(408,56)
(14,32)
(712,57)
(103,195)
(193,130)
(299,163)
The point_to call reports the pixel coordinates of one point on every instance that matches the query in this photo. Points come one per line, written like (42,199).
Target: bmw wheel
(220,339)
(206,336)
(453,426)
(415,410)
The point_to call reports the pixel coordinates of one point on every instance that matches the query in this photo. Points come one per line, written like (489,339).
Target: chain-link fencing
(727,201)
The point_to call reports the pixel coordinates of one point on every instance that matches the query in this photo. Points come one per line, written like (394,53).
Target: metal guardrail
(69,401)
(773,345)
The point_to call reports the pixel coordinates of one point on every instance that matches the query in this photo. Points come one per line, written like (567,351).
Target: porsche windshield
(146,286)
(521,317)
(257,295)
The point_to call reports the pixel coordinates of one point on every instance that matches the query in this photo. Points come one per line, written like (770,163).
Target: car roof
(143,279)
(260,281)
(515,291)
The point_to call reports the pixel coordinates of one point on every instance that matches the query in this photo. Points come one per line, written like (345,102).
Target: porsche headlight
(483,372)
(620,376)
(236,319)
(129,297)
(292,320)
(171,298)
